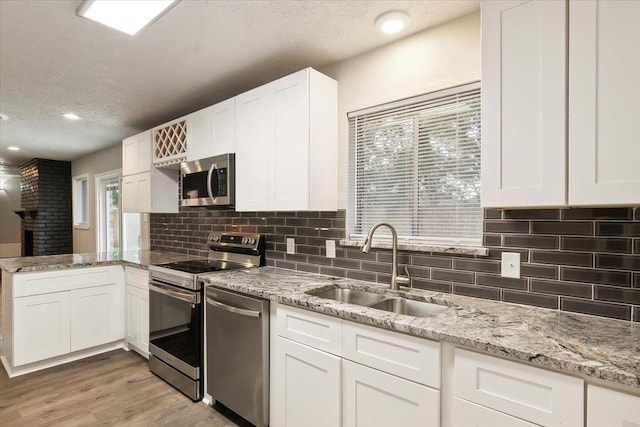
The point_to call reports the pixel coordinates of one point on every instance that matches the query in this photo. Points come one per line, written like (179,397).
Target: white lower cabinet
(307,386)
(63,311)
(41,327)
(469,414)
(372,398)
(612,408)
(532,394)
(92,316)
(137,309)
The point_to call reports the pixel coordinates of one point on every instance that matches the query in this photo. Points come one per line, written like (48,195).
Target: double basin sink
(380,302)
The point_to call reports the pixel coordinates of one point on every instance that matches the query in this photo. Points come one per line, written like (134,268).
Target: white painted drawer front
(26,284)
(137,277)
(375,399)
(313,329)
(533,394)
(413,358)
(612,408)
(467,414)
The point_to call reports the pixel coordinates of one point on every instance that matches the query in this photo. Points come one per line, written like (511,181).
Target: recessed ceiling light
(13,148)
(128,16)
(392,22)
(3,117)
(71,116)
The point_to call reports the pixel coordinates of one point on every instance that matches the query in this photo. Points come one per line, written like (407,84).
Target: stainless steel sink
(410,307)
(350,296)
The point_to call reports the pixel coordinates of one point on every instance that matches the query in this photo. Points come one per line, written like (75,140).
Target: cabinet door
(524,103)
(133,316)
(289,176)
(41,327)
(199,134)
(97,316)
(307,386)
(223,118)
(254,147)
(611,408)
(604,102)
(373,398)
(136,193)
(467,414)
(136,154)
(144,322)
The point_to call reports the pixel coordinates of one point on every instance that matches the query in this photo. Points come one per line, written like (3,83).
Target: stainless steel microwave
(208,182)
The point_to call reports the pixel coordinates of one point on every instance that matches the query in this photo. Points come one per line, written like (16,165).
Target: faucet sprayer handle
(404,280)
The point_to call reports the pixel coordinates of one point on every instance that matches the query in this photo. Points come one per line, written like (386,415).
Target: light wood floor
(112,389)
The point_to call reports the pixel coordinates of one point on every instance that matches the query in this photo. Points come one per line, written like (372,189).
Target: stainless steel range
(176,308)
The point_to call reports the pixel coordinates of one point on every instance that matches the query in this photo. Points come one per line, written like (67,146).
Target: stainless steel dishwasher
(237,330)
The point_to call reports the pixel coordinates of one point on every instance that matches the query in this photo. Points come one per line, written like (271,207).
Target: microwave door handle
(213,169)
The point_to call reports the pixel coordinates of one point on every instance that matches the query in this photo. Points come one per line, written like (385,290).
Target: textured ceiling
(201,52)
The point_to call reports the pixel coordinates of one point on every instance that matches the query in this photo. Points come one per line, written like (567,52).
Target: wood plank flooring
(111,389)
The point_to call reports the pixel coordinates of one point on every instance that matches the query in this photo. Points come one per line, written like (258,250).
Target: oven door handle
(232,309)
(192,298)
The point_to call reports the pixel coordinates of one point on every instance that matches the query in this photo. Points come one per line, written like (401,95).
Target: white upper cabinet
(604,102)
(136,154)
(523,103)
(212,131)
(527,158)
(286,144)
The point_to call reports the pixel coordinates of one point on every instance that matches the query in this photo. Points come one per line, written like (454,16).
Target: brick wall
(578,260)
(45,187)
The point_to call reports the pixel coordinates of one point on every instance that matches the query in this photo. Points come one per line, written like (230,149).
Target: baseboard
(60,360)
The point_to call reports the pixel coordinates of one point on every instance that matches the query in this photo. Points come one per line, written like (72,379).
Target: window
(108,216)
(415,163)
(81,201)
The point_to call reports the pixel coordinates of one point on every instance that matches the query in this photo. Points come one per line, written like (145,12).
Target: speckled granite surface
(56,262)
(573,343)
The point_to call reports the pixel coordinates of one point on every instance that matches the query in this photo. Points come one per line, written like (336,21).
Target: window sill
(81,227)
(442,249)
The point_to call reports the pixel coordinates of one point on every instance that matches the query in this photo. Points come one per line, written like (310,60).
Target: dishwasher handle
(232,309)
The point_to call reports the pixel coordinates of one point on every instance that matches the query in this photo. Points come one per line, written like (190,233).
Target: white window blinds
(416,164)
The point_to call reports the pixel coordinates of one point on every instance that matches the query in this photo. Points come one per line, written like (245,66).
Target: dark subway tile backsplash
(584,260)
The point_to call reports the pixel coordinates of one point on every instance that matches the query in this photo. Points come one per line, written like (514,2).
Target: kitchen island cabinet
(52,317)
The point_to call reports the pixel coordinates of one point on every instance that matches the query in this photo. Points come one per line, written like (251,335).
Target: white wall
(84,240)
(438,58)
(9,221)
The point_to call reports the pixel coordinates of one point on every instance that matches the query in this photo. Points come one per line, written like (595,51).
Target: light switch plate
(291,245)
(510,265)
(331,248)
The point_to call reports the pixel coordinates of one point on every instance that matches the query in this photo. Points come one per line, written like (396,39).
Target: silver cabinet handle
(192,298)
(234,310)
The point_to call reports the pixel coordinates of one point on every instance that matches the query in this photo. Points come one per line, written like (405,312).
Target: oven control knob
(244,240)
(252,241)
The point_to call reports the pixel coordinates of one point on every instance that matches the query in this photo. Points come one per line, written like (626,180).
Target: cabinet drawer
(413,358)
(37,283)
(313,329)
(467,414)
(533,394)
(137,277)
(612,408)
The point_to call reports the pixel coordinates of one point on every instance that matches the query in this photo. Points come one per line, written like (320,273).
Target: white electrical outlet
(291,245)
(331,248)
(510,265)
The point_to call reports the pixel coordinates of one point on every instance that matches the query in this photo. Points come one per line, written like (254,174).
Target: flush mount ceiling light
(71,116)
(3,117)
(392,22)
(128,16)
(13,148)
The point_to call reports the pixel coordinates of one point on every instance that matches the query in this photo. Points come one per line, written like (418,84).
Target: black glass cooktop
(198,266)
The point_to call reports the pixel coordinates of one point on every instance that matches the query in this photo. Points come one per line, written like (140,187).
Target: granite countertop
(142,259)
(572,343)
